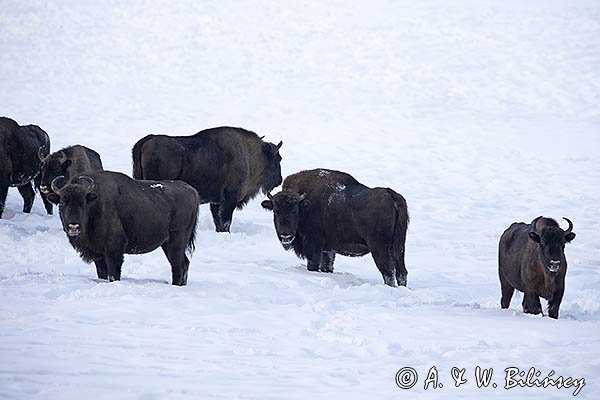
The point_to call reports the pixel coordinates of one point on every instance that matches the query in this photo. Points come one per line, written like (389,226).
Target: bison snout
(286,239)
(73,230)
(554,265)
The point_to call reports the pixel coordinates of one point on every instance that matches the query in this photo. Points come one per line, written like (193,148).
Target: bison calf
(531,259)
(107,214)
(20,150)
(227,166)
(321,213)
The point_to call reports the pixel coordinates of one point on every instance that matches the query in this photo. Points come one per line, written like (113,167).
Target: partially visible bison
(70,161)
(531,259)
(107,214)
(227,166)
(20,150)
(322,212)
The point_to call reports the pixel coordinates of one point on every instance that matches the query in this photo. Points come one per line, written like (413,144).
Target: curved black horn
(279,145)
(570,228)
(56,182)
(269,196)
(62,157)
(41,155)
(534,223)
(87,183)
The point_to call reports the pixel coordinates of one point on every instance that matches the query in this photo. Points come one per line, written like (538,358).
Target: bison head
(54,165)
(271,176)
(75,198)
(287,206)
(551,242)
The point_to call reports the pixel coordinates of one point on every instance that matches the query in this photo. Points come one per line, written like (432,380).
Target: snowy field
(480,113)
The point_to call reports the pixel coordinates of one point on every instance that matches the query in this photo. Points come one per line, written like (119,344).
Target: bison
(107,214)
(322,212)
(227,166)
(20,150)
(70,161)
(531,259)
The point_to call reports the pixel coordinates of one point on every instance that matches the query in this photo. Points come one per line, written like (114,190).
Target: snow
(479,113)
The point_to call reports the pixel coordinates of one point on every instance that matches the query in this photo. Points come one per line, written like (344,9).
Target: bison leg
(327,260)
(28,195)
(507,291)
(214,210)
(3,194)
(44,196)
(531,304)
(226,211)
(179,262)
(222,215)
(401,272)
(385,265)
(554,304)
(101,268)
(114,261)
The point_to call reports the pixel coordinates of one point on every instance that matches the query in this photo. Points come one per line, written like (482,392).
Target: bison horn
(534,224)
(269,196)
(279,145)
(62,157)
(56,184)
(87,183)
(570,228)
(41,155)
(302,197)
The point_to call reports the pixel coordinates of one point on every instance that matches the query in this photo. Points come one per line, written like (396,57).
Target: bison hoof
(401,281)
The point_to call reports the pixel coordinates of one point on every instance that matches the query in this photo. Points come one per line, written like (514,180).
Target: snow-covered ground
(480,113)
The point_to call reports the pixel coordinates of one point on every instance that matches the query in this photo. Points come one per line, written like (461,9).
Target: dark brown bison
(20,150)
(531,259)
(107,214)
(70,161)
(227,166)
(322,212)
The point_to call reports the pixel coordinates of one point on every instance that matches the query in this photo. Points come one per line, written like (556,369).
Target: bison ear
(53,198)
(267,205)
(90,197)
(534,236)
(570,236)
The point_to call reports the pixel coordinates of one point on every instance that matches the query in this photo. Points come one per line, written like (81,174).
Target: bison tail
(191,245)
(400,226)
(136,154)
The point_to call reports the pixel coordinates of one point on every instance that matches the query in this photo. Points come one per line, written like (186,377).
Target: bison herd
(318,213)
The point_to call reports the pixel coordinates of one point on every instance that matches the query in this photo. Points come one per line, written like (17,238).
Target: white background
(480,113)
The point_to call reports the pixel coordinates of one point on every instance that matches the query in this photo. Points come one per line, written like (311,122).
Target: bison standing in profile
(70,161)
(322,212)
(227,166)
(107,214)
(531,259)
(20,150)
